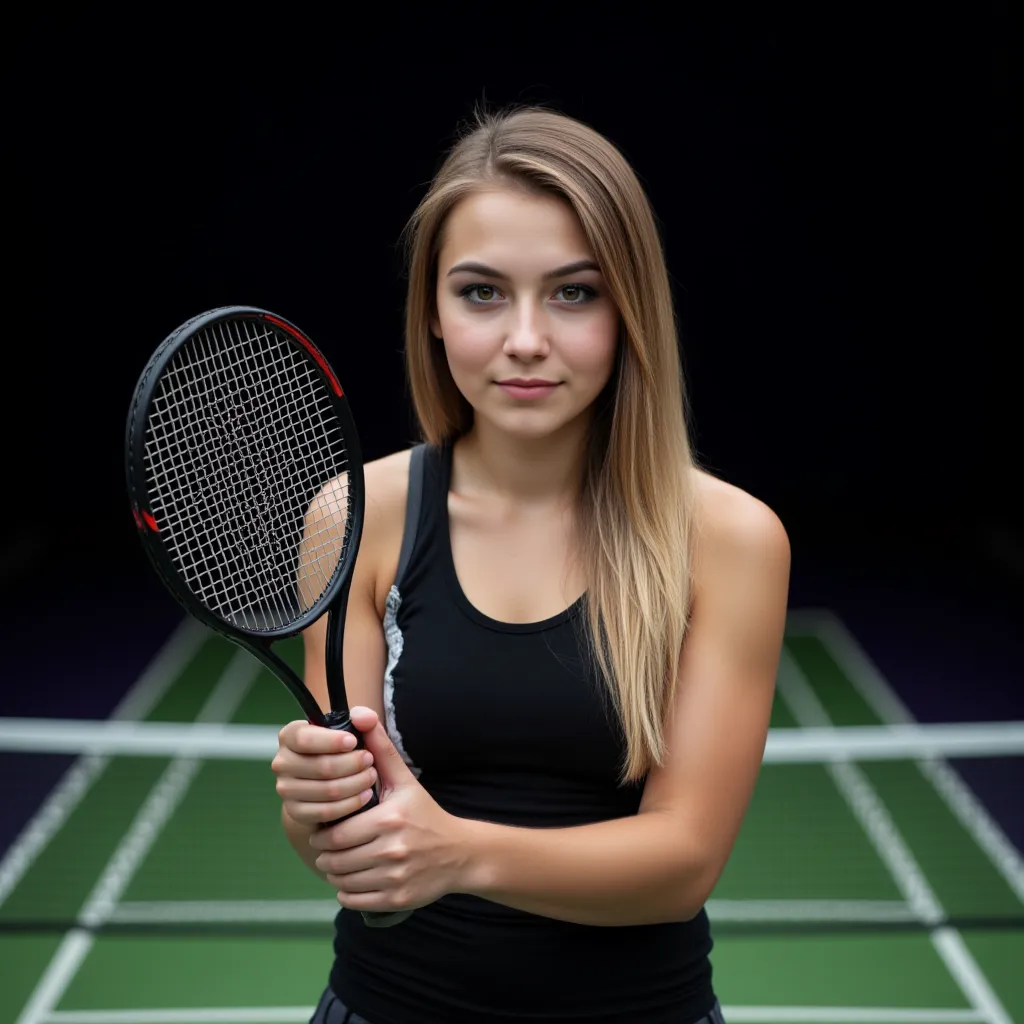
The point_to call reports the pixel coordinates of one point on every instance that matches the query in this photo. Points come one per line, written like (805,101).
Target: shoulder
(736,532)
(386,483)
(386,489)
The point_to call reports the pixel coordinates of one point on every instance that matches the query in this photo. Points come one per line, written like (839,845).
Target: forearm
(298,835)
(636,870)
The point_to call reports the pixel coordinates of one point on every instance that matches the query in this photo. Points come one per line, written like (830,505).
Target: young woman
(564,688)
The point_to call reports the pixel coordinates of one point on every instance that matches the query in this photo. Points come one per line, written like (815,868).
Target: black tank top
(505,723)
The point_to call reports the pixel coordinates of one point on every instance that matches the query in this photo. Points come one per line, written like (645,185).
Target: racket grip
(372,918)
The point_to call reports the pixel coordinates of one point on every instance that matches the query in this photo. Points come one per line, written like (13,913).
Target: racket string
(241,442)
(258,442)
(256,507)
(310,435)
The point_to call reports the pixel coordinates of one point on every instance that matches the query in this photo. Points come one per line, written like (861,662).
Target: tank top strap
(413,507)
(425,516)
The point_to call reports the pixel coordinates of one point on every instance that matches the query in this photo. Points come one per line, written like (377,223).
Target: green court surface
(862,893)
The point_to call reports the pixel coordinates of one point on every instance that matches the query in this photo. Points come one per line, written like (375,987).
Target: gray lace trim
(395,643)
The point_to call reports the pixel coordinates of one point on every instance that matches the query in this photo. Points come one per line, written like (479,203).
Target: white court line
(733,1014)
(145,694)
(156,739)
(212,1015)
(880,696)
(144,830)
(950,945)
(867,807)
(223,911)
(62,968)
(845,1015)
(324,911)
(832,911)
(874,818)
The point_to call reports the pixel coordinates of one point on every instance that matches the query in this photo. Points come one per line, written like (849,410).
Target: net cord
(259,742)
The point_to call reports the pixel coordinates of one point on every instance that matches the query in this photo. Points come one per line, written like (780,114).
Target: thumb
(391,769)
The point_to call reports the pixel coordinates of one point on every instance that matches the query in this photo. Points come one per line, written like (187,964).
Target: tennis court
(151,890)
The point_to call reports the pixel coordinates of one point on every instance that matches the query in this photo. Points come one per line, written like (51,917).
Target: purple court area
(952,649)
(109,631)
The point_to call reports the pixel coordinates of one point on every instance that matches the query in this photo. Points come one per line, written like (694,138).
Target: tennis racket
(245,479)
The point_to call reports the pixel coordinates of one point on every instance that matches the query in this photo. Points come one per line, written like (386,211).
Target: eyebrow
(472,267)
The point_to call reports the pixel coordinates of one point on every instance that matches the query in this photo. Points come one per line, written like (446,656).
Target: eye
(576,294)
(480,294)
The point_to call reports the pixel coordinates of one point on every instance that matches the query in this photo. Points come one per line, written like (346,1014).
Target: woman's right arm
(320,778)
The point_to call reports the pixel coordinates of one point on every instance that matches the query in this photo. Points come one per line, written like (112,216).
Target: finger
(321,813)
(358,831)
(392,769)
(355,865)
(325,791)
(363,718)
(359,881)
(304,738)
(386,901)
(320,766)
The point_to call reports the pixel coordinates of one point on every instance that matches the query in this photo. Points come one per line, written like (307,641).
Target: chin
(528,424)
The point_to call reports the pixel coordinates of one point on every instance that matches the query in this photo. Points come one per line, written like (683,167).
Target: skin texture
(511,520)
(523,323)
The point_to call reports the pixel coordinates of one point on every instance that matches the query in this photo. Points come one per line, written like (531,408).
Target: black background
(834,190)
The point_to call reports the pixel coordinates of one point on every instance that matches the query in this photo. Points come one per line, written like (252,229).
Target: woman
(565,688)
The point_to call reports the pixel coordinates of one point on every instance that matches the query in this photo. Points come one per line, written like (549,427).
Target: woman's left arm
(662,864)
(658,865)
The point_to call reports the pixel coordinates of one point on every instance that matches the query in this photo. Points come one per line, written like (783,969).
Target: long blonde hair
(636,510)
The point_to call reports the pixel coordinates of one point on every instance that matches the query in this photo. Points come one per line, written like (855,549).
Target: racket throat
(334,653)
(284,672)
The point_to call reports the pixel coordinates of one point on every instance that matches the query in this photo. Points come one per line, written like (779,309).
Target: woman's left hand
(402,854)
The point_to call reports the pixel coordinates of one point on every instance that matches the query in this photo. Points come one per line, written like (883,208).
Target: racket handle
(373,919)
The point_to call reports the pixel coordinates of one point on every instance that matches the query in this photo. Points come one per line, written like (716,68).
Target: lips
(519,387)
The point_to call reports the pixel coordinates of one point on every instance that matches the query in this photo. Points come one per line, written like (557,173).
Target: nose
(527,337)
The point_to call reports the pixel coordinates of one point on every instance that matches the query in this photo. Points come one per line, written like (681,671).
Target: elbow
(689,906)
(689,909)
(699,878)
(689,871)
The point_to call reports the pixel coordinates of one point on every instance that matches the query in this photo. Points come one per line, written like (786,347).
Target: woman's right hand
(320,775)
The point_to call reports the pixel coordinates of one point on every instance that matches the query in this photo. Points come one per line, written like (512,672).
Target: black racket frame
(335,596)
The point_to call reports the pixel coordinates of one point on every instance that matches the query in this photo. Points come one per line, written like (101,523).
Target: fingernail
(367,759)
(365,795)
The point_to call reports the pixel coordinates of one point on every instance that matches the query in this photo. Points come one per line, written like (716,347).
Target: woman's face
(527,324)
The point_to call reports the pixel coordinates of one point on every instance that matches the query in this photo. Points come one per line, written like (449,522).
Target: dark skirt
(331,1010)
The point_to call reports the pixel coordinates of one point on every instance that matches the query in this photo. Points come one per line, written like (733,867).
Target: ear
(435,327)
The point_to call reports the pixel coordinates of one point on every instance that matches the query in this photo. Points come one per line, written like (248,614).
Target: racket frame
(335,596)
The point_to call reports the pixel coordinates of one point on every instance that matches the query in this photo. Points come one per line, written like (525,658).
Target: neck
(535,471)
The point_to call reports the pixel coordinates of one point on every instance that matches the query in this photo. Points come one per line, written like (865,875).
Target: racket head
(244,473)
